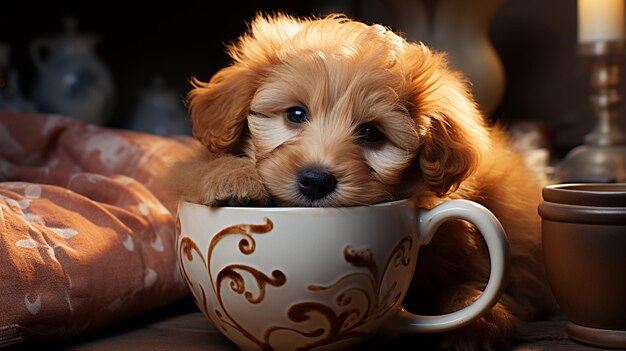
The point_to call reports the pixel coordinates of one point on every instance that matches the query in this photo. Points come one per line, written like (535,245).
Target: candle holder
(602,157)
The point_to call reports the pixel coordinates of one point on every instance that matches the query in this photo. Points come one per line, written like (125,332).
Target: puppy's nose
(316,183)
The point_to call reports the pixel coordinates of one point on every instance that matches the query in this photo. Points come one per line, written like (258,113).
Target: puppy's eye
(296,115)
(370,134)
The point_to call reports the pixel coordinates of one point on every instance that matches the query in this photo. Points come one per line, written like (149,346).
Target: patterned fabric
(86,237)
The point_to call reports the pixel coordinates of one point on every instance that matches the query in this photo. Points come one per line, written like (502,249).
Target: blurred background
(521,56)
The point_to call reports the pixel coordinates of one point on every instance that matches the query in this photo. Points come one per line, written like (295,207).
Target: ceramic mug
(323,278)
(584,241)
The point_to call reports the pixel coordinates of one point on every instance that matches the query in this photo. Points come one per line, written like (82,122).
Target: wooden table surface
(182,327)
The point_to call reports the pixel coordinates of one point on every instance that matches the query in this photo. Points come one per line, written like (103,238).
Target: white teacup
(324,278)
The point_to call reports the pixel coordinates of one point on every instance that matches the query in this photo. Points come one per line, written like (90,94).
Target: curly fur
(437,146)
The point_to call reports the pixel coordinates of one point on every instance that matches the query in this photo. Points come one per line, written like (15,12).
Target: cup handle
(428,221)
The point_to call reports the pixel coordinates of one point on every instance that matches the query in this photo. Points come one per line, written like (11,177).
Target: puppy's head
(336,113)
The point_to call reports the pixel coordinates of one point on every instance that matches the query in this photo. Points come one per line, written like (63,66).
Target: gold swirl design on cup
(232,273)
(354,307)
(346,324)
(237,282)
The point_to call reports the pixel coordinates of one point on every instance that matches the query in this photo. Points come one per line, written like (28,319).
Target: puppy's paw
(491,332)
(235,183)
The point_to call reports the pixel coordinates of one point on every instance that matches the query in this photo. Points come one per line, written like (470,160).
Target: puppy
(333,112)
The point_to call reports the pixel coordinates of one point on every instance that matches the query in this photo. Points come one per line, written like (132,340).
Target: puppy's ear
(454,133)
(218,109)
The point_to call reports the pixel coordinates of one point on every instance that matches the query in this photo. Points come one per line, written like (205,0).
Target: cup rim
(586,194)
(394,203)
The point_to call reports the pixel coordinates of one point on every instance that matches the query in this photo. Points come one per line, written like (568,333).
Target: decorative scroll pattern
(341,321)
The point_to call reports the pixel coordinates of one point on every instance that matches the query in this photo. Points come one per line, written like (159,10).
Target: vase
(461,29)
(72,80)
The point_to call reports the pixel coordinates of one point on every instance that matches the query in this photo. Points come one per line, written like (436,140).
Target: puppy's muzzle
(316,183)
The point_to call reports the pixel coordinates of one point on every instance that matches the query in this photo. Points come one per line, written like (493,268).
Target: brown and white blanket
(86,237)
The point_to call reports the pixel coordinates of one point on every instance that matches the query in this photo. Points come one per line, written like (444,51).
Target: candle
(600,20)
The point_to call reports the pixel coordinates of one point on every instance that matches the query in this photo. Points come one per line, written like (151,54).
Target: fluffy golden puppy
(333,112)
